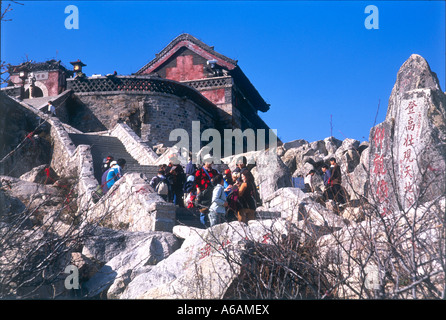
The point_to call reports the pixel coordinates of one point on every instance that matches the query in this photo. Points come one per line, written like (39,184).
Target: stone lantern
(23,75)
(77,67)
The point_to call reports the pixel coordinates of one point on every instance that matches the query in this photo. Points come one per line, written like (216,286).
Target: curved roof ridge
(192,39)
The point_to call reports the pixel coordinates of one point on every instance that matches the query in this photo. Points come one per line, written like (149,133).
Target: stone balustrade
(134,145)
(134,84)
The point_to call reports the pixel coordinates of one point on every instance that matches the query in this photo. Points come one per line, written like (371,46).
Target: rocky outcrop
(20,195)
(131,204)
(302,157)
(269,171)
(205,265)
(125,254)
(24,142)
(408,153)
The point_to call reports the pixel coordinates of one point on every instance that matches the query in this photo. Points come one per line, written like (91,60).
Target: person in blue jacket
(218,206)
(328,193)
(115,173)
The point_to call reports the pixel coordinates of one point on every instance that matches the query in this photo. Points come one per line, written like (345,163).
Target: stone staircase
(103,146)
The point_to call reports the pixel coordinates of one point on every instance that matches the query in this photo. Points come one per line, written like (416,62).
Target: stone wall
(152,116)
(164,114)
(59,103)
(87,183)
(71,161)
(24,144)
(63,150)
(134,145)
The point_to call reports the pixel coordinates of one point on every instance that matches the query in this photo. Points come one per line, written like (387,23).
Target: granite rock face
(408,150)
(136,251)
(131,204)
(272,174)
(200,269)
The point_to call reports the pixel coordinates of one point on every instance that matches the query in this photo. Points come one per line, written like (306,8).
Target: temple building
(217,77)
(41,79)
(186,81)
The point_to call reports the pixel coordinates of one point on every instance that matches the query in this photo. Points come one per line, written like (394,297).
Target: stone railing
(14,91)
(63,149)
(225,81)
(136,84)
(69,160)
(134,145)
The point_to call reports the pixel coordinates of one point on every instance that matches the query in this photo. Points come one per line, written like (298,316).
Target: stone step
(103,146)
(188,217)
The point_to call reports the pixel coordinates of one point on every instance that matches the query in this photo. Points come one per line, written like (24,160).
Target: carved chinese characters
(407,155)
(409,147)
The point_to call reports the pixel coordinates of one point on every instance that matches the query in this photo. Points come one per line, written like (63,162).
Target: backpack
(188,186)
(162,187)
(97,194)
(204,198)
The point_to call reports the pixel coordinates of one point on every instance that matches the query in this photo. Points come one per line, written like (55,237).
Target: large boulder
(271,173)
(23,197)
(130,252)
(268,169)
(295,205)
(205,265)
(132,204)
(408,150)
(332,144)
(294,144)
(103,244)
(40,174)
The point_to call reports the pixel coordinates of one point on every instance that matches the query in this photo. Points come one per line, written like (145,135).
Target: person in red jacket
(203,181)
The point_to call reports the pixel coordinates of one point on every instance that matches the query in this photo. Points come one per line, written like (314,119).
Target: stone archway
(37,93)
(40,89)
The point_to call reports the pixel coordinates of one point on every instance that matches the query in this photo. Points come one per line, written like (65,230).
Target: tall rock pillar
(408,149)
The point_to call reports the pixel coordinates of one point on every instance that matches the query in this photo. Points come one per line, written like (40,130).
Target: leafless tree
(4,11)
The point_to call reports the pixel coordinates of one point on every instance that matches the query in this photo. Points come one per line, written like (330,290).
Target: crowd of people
(217,196)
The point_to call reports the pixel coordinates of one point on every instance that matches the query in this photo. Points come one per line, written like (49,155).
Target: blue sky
(313,61)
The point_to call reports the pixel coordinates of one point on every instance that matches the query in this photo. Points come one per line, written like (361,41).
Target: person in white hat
(115,173)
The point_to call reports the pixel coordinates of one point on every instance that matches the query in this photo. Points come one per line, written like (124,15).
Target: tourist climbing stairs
(103,146)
